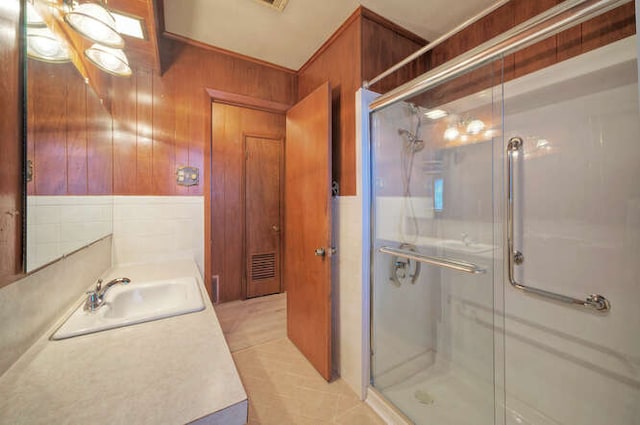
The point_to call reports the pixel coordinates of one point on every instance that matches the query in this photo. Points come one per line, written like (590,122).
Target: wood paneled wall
(11,143)
(162,122)
(158,123)
(69,133)
(365,45)
(607,28)
(383,45)
(339,62)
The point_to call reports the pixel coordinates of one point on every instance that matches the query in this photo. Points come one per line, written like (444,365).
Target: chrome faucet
(95,298)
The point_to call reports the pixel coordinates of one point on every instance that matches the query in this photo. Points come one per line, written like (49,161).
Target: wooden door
(230,126)
(263,175)
(307,272)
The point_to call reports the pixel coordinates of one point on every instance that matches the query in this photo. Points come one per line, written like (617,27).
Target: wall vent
(276,4)
(263,266)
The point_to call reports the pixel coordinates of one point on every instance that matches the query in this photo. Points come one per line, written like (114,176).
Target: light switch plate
(187,176)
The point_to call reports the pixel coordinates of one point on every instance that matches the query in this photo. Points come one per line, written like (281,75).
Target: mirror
(69,163)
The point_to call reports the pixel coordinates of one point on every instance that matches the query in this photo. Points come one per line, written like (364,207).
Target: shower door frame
(389,413)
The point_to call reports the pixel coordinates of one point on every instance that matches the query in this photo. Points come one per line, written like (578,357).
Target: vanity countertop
(171,371)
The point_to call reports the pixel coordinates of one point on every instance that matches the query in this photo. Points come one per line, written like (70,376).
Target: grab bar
(594,301)
(447,263)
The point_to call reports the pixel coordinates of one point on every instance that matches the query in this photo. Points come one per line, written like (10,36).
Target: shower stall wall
(500,211)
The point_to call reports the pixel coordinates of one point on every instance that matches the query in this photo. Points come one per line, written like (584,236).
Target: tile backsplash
(155,228)
(58,225)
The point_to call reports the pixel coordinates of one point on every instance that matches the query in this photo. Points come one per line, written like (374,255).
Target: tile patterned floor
(254,321)
(283,388)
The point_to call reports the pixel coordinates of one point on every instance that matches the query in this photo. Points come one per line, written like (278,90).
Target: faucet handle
(98,285)
(92,301)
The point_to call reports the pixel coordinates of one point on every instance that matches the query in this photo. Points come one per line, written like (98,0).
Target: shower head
(405,132)
(415,109)
(415,143)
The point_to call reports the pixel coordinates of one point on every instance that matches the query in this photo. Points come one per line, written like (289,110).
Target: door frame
(210,97)
(282,141)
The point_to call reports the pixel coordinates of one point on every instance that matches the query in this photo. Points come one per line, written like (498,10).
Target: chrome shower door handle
(447,263)
(594,301)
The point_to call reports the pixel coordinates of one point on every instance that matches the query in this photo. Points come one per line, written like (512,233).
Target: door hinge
(29,170)
(335,188)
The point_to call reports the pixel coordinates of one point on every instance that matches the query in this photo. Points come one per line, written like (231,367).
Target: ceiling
(290,37)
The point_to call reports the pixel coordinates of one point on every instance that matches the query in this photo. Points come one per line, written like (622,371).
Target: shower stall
(505,242)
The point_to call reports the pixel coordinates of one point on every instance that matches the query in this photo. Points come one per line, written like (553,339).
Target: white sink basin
(460,246)
(135,303)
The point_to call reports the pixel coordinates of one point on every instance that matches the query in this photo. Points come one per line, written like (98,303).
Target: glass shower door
(435,251)
(577,224)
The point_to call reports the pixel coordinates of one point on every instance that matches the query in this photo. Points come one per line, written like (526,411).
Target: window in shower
(438,199)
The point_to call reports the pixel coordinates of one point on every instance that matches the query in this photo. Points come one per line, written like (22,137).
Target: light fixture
(276,4)
(542,147)
(475,127)
(436,114)
(451,133)
(94,22)
(44,46)
(129,25)
(543,144)
(467,129)
(110,60)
